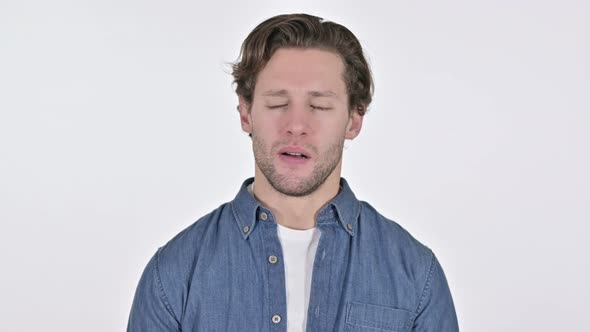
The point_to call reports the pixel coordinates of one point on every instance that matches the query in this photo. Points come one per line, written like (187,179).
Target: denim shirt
(369,274)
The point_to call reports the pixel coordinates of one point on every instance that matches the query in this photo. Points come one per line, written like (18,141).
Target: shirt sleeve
(151,310)
(436,311)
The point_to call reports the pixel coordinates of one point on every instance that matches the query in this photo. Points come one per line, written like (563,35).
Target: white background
(118,129)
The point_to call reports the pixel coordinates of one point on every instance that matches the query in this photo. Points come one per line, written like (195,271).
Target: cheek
(265,122)
(333,130)
(259,147)
(261,141)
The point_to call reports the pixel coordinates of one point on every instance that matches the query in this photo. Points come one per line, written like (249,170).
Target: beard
(294,185)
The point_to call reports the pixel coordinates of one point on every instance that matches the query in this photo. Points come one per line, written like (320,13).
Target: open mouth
(295,155)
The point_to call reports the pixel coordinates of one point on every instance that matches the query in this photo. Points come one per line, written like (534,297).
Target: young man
(295,250)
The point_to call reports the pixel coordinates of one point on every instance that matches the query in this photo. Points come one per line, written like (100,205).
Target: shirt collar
(344,208)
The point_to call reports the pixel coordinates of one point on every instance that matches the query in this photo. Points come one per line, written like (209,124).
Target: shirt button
(273,259)
(246,229)
(349,226)
(263,216)
(276,319)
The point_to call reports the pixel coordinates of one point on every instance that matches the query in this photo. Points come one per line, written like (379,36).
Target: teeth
(294,154)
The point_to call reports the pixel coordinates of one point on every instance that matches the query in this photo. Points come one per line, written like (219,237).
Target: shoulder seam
(427,283)
(163,296)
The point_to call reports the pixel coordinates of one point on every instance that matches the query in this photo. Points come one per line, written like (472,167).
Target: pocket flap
(378,317)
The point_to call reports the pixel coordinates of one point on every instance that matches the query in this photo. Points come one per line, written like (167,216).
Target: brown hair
(304,31)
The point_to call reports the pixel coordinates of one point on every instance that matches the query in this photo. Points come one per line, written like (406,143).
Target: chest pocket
(367,317)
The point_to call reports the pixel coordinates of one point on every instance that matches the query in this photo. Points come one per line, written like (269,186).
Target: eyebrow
(327,93)
(284,93)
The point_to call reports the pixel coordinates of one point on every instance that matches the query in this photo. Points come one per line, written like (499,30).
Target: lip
(292,161)
(295,149)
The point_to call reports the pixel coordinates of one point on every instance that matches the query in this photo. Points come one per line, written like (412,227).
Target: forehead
(302,70)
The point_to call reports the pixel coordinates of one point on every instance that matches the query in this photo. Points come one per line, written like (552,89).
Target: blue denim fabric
(369,275)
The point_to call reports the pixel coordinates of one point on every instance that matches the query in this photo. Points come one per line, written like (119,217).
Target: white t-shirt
(299,249)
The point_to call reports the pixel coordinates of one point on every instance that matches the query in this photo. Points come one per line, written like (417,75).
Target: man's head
(304,31)
(303,86)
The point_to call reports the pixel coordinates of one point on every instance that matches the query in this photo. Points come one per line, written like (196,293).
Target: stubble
(291,185)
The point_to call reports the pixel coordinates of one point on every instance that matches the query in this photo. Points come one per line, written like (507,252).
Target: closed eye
(319,108)
(273,107)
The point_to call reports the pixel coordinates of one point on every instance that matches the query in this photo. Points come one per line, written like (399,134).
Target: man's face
(299,119)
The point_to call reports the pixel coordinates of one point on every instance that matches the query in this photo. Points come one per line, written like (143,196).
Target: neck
(291,211)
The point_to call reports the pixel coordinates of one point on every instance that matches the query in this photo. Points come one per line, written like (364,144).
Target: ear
(245,116)
(355,123)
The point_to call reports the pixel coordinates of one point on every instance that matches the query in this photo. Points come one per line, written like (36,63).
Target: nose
(297,121)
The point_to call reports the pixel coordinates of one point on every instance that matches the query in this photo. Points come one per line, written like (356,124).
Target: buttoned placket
(275,273)
(320,284)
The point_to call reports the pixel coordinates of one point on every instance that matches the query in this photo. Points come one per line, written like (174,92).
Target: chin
(295,186)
